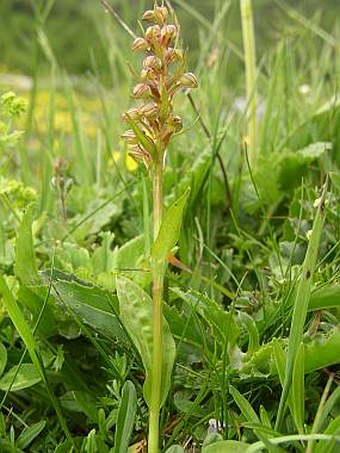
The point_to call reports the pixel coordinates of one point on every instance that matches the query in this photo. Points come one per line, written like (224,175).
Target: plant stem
(157,187)
(250,67)
(158,270)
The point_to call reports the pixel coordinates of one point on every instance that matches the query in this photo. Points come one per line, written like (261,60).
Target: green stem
(157,187)
(158,270)
(250,67)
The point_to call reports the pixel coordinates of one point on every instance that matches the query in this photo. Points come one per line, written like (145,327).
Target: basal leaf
(226,446)
(136,312)
(326,297)
(175,449)
(323,352)
(94,306)
(24,376)
(103,258)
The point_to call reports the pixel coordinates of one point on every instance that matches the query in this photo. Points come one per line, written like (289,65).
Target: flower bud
(147,74)
(173,56)
(142,90)
(188,80)
(149,16)
(131,113)
(152,34)
(139,154)
(176,123)
(161,13)
(168,33)
(140,44)
(152,62)
(149,110)
(130,137)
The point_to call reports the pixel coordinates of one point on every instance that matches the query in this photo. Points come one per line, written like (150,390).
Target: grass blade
(126,417)
(301,303)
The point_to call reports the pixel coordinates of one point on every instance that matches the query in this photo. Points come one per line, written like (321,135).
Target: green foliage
(11,107)
(135,307)
(126,417)
(20,377)
(169,230)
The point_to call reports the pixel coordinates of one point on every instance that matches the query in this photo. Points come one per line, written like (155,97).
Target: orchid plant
(152,124)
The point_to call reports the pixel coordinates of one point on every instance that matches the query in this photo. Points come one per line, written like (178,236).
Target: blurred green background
(76,31)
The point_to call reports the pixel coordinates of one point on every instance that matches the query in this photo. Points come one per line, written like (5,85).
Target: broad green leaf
(129,254)
(23,376)
(25,265)
(314,150)
(175,449)
(3,358)
(226,446)
(126,417)
(169,230)
(28,435)
(33,298)
(131,257)
(103,258)
(248,322)
(80,401)
(212,438)
(136,312)
(73,258)
(323,352)
(94,306)
(326,297)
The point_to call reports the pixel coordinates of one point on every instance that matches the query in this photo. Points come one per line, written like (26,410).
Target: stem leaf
(170,229)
